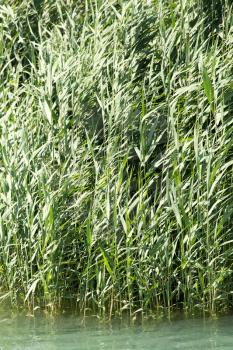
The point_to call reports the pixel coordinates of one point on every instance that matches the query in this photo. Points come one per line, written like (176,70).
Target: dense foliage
(116,154)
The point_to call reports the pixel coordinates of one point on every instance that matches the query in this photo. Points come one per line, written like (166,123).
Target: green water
(68,333)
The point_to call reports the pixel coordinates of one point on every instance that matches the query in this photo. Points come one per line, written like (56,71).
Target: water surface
(22,333)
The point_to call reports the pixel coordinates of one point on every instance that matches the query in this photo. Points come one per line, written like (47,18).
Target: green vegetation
(116,152)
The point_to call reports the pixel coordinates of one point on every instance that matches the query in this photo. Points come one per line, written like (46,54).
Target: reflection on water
(69,333)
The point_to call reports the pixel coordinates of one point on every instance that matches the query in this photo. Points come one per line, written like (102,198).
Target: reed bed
(116,155)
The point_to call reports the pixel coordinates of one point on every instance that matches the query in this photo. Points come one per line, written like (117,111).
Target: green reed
(116,155)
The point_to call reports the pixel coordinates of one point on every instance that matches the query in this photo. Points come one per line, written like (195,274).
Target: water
(68,333)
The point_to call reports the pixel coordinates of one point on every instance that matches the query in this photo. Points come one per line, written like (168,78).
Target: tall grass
(116,154)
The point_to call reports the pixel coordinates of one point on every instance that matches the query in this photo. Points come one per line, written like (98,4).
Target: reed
(116,155)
